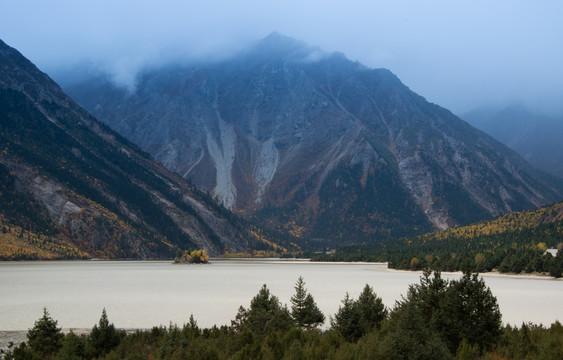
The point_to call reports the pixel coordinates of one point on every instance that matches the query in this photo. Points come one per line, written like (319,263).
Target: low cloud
(315,56)
(456,54)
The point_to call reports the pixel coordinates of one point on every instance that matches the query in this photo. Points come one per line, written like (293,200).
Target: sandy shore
(531,276)
(534,276)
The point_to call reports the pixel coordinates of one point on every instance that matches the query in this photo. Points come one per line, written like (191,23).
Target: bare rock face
(67,176)
(317,145)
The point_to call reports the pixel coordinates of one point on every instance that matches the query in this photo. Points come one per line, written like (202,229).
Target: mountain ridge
(534,136)
(72,180)
(326,148)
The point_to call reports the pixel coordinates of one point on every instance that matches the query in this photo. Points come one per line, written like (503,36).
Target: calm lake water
(142,294)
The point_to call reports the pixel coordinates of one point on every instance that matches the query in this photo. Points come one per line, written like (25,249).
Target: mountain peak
(279,45)
(276,36)
(8,52)
(321,146)
(4,46)
(279,40)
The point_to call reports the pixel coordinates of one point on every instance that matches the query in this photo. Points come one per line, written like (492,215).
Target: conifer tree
(347,320)
(473,313)
(266,311)
(442,314)
(103,337)
(45,338)
(371,309)
(304,311)
(74,347)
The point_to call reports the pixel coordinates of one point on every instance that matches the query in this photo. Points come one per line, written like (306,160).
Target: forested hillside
(516,243)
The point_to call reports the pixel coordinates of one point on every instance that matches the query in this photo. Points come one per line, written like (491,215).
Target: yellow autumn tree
(192,257)
(199,257)
(480,262)
(542,246)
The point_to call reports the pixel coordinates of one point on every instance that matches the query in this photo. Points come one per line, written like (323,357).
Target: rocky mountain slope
(537,138)
(71,187)
(318,145)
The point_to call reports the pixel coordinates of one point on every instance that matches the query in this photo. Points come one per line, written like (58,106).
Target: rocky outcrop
(327,149)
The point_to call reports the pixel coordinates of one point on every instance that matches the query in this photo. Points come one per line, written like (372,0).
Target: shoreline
(497,274)
(18,336)
(534,276)
(494,273)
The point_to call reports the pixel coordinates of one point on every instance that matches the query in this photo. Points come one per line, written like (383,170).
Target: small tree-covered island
(436,319)
(192,257)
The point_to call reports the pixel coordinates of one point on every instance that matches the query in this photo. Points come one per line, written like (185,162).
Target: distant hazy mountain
(537,138)
(318,145)
(71,187)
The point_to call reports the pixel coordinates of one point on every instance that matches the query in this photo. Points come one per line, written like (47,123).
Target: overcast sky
(458,54)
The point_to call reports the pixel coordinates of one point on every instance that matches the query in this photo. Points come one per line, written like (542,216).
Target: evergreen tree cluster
(514,243)
(46,341)
(355,318)
(437,319)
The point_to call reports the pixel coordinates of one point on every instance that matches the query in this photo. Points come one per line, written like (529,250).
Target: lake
(142,294)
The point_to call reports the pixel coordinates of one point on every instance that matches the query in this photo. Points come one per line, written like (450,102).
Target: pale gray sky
(459,54)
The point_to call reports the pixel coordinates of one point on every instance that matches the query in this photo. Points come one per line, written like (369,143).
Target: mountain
(536,137)
(72,188)
(317,145)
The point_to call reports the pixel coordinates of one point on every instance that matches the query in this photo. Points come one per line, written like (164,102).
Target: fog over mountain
(460,55)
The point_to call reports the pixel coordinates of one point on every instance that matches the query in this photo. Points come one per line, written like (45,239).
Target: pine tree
(371,309)
(347,320)
(410,335)
(304,311)
(45,338)
(474,313)
(103,337)
(266,312)
(73,348)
